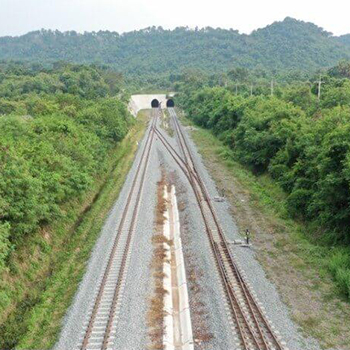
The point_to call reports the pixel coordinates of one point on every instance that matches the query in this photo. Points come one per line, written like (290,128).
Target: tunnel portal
(155,103)
(170,103)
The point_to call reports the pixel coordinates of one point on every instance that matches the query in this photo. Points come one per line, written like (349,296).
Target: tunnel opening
(155,103)
(170,103)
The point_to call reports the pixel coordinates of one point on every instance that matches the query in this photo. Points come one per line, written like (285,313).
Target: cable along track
(100,326)
(253,330)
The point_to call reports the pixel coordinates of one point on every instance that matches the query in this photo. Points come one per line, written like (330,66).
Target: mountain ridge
(283,45)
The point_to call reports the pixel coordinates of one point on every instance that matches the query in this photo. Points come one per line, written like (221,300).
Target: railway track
(252,328)
(251,325)
(101,322)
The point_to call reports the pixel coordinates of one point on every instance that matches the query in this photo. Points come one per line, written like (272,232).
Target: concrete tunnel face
(155,103)
(170,103)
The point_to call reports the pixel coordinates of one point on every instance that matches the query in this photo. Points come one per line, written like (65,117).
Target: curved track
(252,326)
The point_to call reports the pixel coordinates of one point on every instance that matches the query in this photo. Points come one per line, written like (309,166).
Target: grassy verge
(300,268)
(46,270)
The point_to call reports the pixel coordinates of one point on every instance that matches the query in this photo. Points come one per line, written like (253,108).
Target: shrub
(339,265)
(54,155)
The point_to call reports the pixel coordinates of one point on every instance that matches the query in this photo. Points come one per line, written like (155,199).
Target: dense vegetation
(62,142)
(301,142)
(286,45)
(60,123)
(56,128)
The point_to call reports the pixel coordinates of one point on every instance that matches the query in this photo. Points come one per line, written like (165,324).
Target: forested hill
(345,39)
(290,44)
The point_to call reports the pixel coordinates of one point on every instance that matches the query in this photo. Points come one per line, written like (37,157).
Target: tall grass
(339,265)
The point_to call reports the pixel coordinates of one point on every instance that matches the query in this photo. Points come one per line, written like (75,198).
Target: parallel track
(100,327)
(252,327)
(251,324)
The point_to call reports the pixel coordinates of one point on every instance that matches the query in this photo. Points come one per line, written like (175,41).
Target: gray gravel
(197,250)
(266,292)
(137,270)
(132,331)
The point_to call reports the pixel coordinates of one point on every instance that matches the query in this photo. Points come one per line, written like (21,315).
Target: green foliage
(302,144)
(300,96)
(339,264)
(336,93)
(342,70)
(155,53)
(56,130)
(5,246)
(262,131)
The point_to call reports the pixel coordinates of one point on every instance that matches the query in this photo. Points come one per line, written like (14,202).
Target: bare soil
(155,313)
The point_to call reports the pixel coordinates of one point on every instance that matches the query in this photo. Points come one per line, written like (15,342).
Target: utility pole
(272,87)
(236,89)
(251,90)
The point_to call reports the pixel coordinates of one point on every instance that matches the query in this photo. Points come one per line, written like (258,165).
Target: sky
(18,17)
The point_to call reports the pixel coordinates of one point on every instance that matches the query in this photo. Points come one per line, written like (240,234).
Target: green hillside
(286,45)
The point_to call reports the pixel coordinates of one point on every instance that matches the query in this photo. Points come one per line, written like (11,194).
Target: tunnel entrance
(170,103)
(155,103)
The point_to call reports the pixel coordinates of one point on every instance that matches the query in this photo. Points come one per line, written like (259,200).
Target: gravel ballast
(73,323)
(266,293)
(132,329)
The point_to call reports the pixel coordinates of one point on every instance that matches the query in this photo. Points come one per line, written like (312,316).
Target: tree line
(290,45)
(57,127)
(301,142)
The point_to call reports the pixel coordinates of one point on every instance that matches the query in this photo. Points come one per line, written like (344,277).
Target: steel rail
(245,290)
(230,294)
(131,230)
(242,321)
(250,301)
(235,270)
(179,161)
(96,307)
(238,313)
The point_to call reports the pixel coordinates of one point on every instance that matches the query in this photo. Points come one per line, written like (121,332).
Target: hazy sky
(20,16)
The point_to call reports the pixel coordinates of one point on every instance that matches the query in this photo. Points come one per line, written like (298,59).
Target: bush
(5,246)
(342,278)
(297,202)
(305,149)
(53,155)
(339,265)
